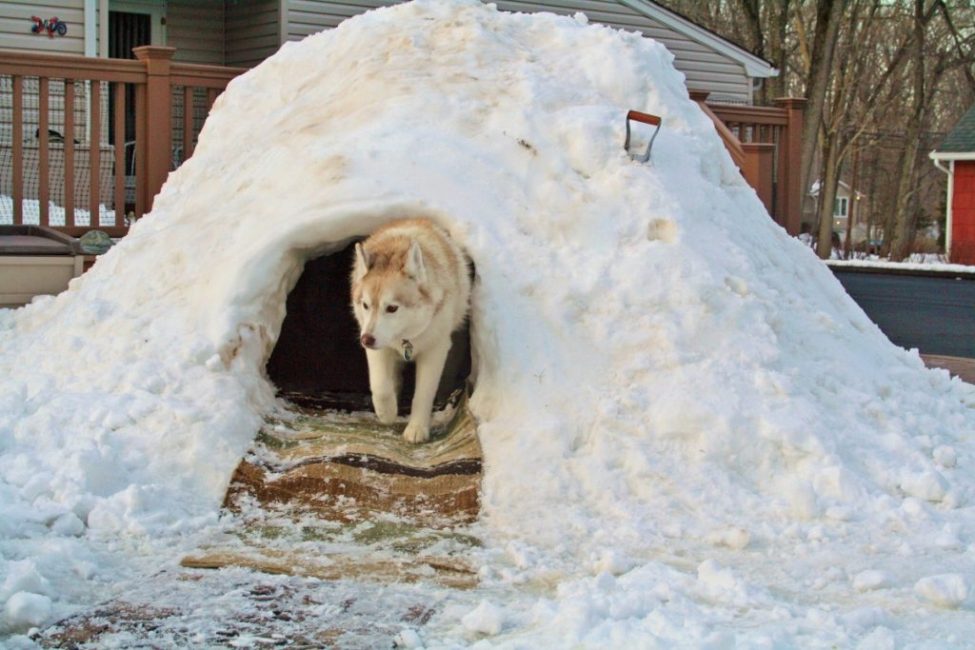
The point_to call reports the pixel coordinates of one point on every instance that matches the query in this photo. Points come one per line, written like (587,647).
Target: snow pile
(691,433)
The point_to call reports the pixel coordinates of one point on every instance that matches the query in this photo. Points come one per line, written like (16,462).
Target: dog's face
(389,297)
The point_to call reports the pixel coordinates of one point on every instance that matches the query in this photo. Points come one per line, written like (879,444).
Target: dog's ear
(363,261)
(413,266)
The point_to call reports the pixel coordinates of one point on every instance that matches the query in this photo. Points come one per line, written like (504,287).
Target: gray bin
(35,260)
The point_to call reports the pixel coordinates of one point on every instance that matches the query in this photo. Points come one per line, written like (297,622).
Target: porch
(86,143)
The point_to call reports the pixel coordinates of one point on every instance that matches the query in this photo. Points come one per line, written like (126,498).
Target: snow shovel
(645,118)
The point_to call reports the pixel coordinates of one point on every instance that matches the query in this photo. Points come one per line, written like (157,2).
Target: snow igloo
(659,369)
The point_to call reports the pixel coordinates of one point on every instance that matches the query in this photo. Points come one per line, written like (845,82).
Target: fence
(765,143)
(87,143)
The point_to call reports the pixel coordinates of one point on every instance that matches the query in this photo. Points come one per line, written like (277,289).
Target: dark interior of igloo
(317,360)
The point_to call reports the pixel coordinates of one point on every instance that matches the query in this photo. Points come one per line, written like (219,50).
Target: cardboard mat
(336,495)
(330,518)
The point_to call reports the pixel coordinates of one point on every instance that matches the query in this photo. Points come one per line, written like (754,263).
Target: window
(839,207)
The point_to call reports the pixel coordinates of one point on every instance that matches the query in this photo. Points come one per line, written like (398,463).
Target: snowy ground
(911,264)
(56,214)
(691,435)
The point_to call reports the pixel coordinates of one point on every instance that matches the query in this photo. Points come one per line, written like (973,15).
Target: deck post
(158,108)
(789,163)
(757,170)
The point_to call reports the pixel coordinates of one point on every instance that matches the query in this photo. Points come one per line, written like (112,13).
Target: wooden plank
(750,114)
(94,151)
(187,122)
(203,76)
(68,153)
(140,150)
(120,170)
(18,147)
(43,163)
(59,66)
(201,82)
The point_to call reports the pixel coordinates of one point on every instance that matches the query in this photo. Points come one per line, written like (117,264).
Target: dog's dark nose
(368,340)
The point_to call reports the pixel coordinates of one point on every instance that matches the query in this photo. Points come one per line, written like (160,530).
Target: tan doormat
(333,496)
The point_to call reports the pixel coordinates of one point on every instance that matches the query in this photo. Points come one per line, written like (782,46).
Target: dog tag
(407,350)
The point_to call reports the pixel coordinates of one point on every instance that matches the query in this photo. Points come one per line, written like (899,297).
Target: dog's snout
(368,340)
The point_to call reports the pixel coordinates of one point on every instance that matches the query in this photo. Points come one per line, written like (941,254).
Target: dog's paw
(416,433)
(386,407)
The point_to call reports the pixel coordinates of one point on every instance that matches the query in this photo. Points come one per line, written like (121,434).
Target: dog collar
(407,350)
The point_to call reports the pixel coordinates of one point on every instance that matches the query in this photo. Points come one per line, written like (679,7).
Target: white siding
(15,33)
(307,17)
(252,31)
(705,68)
(196,30)
(15,24)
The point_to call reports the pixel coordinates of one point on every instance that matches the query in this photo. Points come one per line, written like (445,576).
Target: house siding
(195,29)
(963,214)
(252,31)
(15,25)
(704,68)
(15,33)
(306,17)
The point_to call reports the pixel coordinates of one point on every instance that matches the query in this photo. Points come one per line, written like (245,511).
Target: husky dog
(410,290)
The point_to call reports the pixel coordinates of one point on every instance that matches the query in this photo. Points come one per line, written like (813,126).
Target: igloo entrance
(317,359)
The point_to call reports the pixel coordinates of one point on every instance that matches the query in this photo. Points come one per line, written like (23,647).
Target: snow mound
(664,376)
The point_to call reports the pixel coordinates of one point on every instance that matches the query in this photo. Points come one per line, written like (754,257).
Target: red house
(956,157)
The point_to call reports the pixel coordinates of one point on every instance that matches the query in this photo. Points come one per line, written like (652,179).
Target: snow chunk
(944,590)
(611,561)
(408,638)
(945,456)
(880,638)
(68,524)
(22,575)
(721,585)
(733,537)
(486,618)
(870,580)
(25,610)
(928,485)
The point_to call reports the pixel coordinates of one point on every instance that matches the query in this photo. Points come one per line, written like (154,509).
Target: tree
(932,56)
(883,78)
(819,66)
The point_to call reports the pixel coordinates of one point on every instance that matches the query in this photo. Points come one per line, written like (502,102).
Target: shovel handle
(646,118)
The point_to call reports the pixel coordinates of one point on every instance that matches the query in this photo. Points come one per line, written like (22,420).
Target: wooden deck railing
(765,141)
(95,138)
